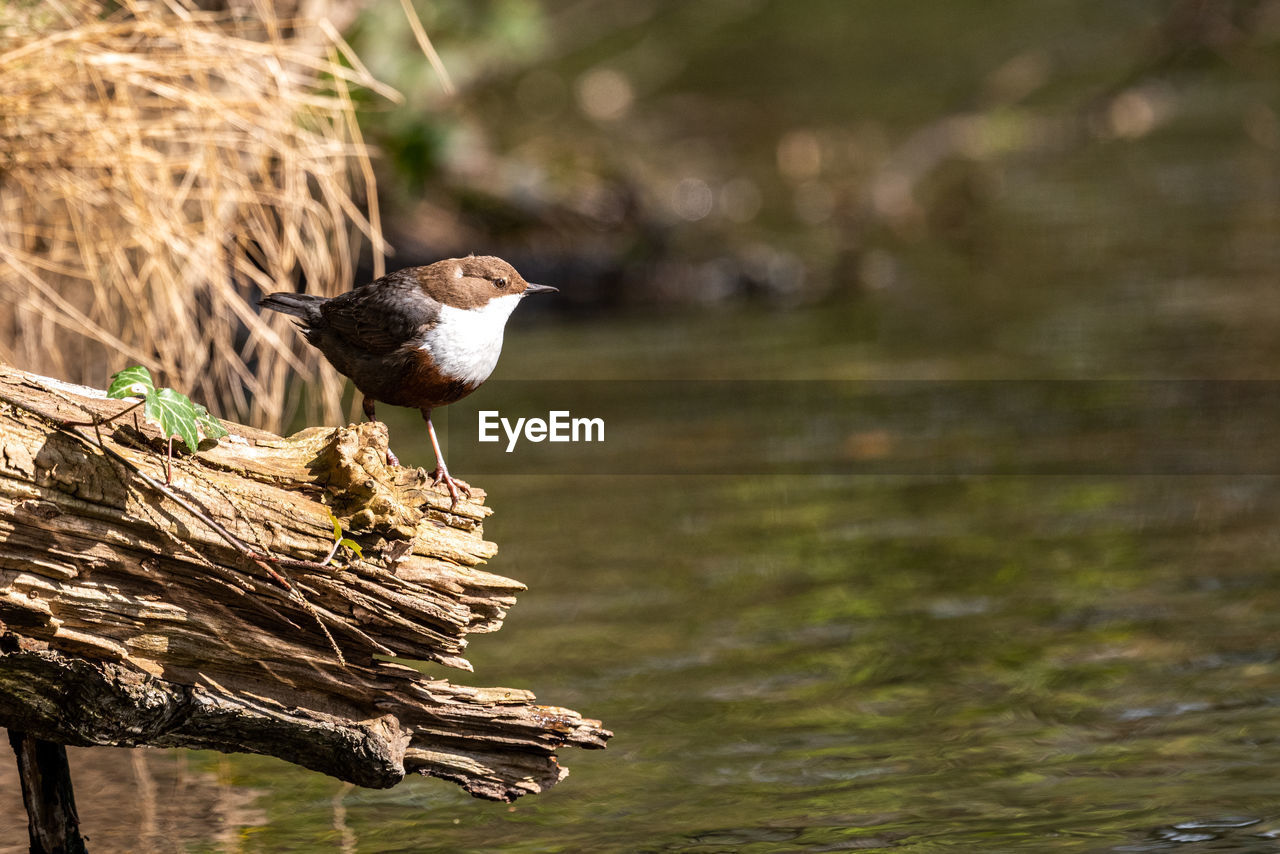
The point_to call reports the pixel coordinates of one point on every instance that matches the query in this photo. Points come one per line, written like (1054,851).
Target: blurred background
(746,190)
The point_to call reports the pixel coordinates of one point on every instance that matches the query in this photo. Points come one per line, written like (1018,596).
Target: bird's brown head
(474,281)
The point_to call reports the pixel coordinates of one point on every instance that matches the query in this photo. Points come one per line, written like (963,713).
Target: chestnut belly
(408,377)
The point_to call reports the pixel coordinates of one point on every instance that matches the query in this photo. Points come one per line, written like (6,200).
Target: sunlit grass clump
(160,166)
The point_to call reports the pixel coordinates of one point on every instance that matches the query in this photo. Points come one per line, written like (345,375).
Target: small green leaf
(337,527)
(172,410)
(208,425)
(176,415)
(131,382)
(353,545)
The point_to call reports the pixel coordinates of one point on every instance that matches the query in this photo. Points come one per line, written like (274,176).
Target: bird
(421,337)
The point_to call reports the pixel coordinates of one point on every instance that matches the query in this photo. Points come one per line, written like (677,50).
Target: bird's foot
(392,459)
(456,487)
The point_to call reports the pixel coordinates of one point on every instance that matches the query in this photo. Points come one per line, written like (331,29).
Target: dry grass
(160,166)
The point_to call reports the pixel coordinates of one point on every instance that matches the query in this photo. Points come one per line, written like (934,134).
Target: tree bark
(199,614)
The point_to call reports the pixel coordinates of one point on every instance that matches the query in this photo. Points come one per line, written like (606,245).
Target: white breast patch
(466,343)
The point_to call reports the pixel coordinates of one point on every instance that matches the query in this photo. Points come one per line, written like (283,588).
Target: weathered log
(198,614)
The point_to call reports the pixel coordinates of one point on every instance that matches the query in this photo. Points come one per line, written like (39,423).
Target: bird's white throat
(465,343)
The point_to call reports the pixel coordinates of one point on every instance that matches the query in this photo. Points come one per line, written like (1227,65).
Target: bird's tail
(304,306)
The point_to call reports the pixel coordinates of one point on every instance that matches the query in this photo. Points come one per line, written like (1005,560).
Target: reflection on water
(1007,663)
(146,800)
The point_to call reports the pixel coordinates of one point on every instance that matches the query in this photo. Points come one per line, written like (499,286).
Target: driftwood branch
(199,613)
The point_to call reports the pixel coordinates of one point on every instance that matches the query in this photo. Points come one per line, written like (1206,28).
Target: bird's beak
(540,289)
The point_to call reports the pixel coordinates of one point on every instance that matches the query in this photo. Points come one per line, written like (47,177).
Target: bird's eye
(500,282)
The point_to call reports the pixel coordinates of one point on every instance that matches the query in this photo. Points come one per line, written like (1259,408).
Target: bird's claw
(392,459)
(455,486)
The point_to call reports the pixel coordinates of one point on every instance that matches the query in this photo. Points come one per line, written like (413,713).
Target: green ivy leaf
(337,527)
(208,425)
(131,382)
(176,415)
(353,545)
(172,410)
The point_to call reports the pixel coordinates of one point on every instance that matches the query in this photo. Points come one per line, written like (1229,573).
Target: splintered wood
(203,617)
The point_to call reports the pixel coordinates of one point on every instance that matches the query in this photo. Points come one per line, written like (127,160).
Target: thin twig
(333,551)
(97,420)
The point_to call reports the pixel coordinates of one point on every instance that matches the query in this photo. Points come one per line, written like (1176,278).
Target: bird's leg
(441,474)
(367,405)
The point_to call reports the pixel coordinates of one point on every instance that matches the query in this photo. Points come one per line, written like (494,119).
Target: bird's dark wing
(382,316)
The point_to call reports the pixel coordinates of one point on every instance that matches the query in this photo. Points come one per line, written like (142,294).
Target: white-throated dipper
(421,336)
